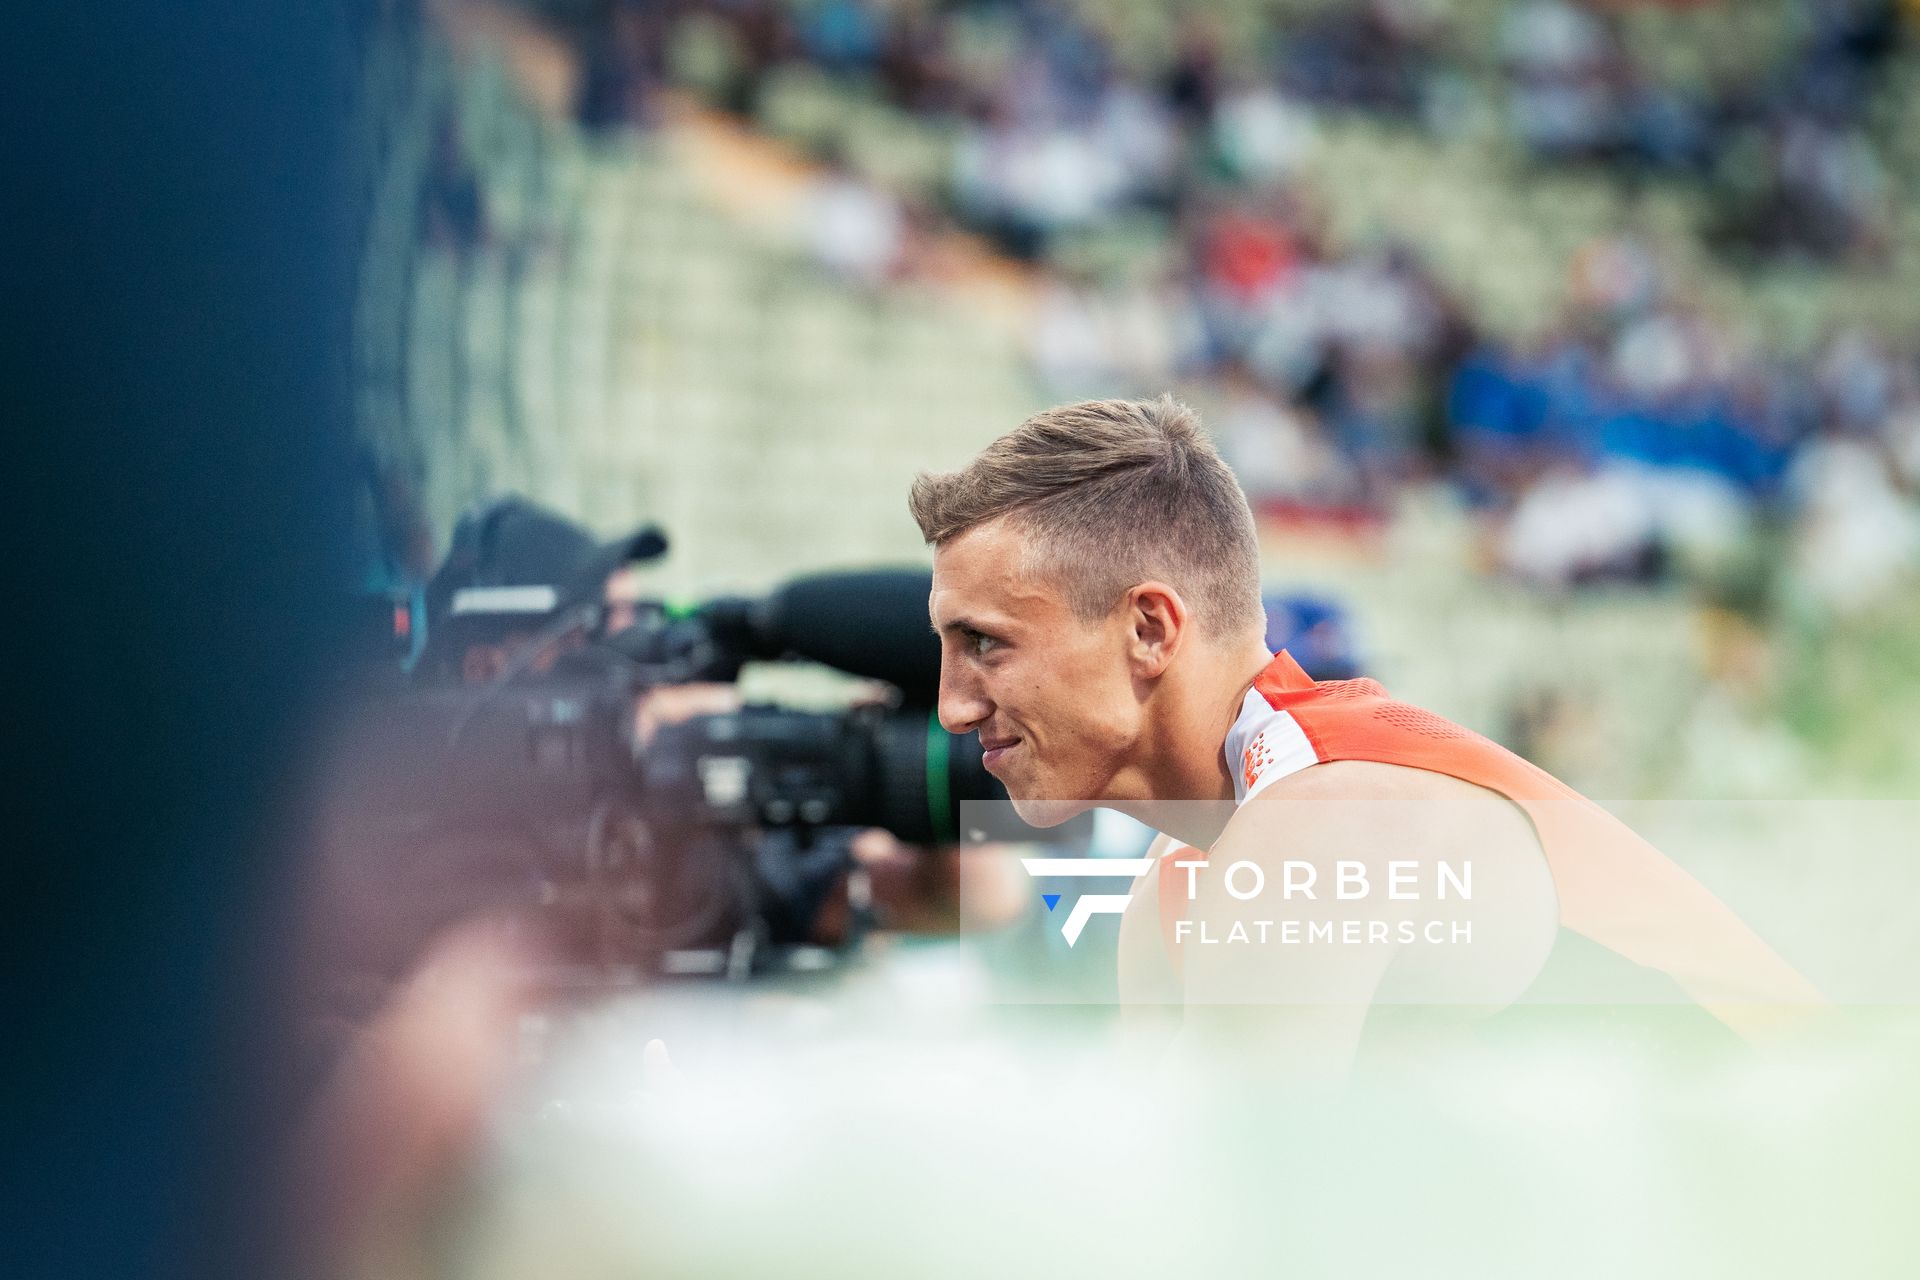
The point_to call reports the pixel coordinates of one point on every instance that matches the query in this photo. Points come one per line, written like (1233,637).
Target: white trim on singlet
(1267,743)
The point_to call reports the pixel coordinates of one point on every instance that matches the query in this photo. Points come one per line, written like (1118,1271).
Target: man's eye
(980,644)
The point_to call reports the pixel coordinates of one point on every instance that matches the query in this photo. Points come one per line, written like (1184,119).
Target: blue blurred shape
(1316,631)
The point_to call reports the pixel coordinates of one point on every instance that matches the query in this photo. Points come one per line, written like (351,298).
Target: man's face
(1050,695)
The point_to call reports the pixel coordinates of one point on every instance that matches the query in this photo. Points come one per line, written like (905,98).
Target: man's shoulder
(1362,809)
(1459,853)
(1374,780)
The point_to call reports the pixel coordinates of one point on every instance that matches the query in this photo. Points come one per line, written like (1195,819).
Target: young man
(1096,592)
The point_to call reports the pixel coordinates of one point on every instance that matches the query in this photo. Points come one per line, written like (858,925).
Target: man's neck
(1189,788)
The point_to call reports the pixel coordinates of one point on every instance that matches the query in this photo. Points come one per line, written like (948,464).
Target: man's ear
(1157,619)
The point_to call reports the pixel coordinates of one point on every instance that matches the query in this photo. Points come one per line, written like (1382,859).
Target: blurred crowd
(1638,431)
(1786,154)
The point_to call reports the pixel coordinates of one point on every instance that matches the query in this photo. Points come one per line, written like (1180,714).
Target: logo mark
(1254,761)
(1088,905)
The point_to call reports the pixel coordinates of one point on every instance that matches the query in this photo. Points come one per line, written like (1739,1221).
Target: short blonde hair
(1111,493)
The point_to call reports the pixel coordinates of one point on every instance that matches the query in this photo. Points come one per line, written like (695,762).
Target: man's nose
(963,703)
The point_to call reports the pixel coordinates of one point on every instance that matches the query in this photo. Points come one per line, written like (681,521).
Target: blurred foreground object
(177,372)
(408,1108)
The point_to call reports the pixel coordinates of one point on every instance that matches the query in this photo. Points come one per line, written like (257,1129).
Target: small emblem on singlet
(1253,760)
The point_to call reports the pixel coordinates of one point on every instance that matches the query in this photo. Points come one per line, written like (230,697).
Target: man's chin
(1048,813)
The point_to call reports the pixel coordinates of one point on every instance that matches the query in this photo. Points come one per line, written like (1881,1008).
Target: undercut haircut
(1109,494)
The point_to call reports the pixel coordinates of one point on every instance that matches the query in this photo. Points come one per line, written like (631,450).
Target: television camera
(510,746)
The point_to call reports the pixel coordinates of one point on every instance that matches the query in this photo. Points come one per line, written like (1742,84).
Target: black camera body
(712,846)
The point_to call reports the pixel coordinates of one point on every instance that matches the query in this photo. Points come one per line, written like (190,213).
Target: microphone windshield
(870,622)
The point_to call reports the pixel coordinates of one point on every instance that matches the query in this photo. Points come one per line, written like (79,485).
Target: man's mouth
(991,749)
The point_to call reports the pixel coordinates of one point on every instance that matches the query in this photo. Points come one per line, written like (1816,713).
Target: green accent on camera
(939,794)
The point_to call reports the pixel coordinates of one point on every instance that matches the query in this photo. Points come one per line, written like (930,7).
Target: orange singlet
(1614,888)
